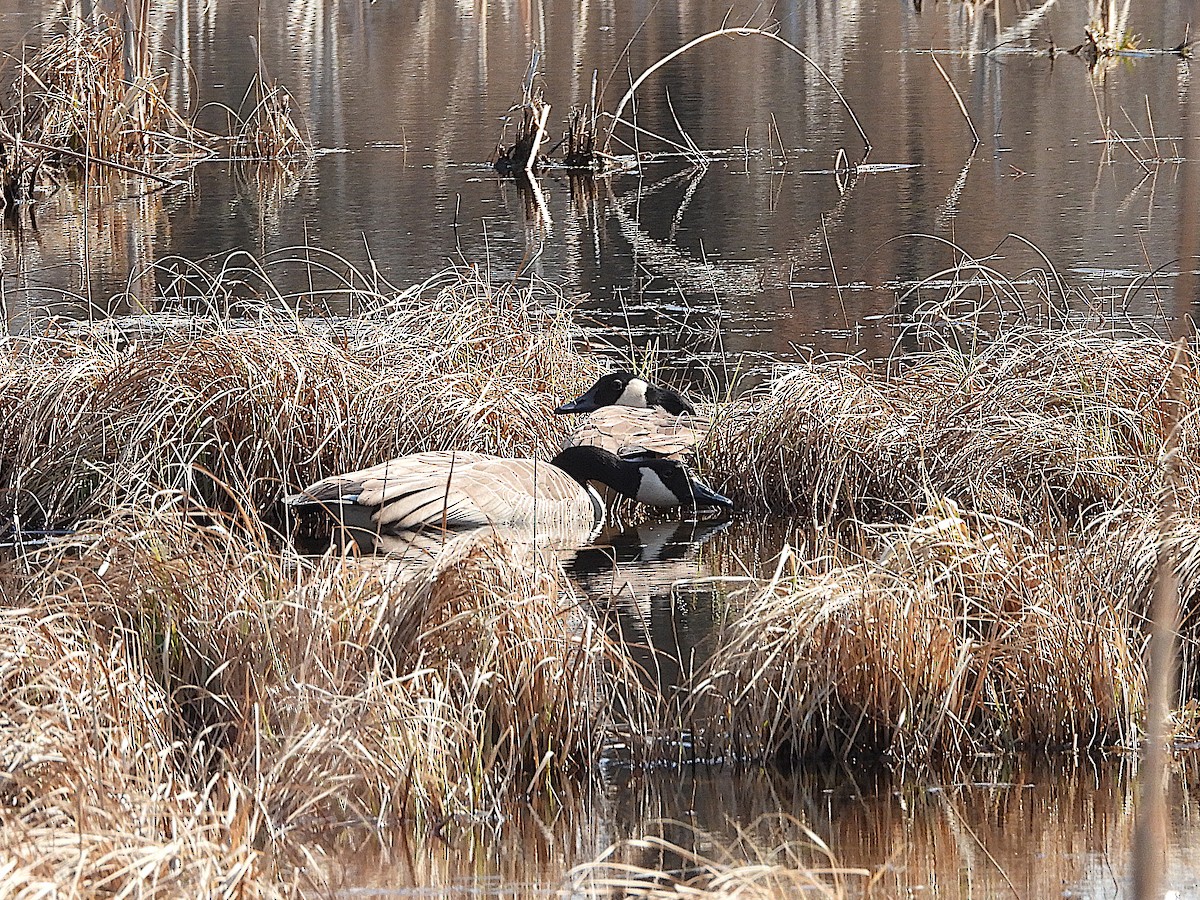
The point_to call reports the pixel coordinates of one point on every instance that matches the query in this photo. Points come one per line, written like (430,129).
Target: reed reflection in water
(1003,828)
(765,245)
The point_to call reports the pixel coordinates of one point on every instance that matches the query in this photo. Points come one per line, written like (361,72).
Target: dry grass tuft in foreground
(1036,425)
(953,635)
(182,704)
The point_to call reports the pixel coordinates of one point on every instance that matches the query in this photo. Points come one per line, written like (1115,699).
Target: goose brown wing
(624,429)
(481,491)
(457,490)
(373,486)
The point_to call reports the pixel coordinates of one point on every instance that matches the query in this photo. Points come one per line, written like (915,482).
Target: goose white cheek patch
(634,394)
(653,492)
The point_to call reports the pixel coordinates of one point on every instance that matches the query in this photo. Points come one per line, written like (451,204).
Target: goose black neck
(668,399)
(586,464)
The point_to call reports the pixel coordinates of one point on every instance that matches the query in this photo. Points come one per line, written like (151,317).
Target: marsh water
(708,266)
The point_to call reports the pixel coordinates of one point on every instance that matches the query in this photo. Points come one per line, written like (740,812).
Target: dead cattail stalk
(542,115)
(962,107)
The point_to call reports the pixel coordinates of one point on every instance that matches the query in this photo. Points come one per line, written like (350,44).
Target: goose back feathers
(456,489)
(629,415)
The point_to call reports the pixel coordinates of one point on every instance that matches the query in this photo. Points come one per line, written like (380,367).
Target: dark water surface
(405,101)
(760,252)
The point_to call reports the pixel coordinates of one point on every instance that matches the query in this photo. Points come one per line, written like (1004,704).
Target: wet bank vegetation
(995,592)
(187,698)
(93,97)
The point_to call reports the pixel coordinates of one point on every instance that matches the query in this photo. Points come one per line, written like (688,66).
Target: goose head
(646,477)
(627,389)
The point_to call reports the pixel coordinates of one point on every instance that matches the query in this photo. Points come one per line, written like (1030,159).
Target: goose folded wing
(482,491)
(378,484)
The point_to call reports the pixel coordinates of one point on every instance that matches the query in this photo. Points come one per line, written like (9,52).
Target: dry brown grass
(184,700)
(79,93)
(955,634)
(248,410)
(91,96)
(1036,424)
(182,704)
(268,130)
(78,101)
(219,697)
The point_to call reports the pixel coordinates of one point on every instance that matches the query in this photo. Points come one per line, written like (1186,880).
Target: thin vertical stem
(1150,835)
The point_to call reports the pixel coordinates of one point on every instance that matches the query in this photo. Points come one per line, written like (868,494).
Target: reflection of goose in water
(462,490)
(645,574)
(643,561)
(628,414)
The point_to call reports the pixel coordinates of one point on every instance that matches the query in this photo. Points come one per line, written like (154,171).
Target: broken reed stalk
(1150,834)
(733,32)
(957,97)
(97,161)
(539,134)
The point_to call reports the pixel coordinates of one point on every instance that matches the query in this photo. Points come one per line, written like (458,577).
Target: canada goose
(458,489)
(627,389)
(629,414)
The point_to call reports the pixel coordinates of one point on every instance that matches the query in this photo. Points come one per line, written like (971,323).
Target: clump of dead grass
(182,703)
(269,131)
(1033,425)
(775,856)
(952,635)
(81,93)
(84,98)
(244,410)
(91,96)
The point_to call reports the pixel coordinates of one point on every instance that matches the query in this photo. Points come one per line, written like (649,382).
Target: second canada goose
(458,489)
(627,389)
(629,414)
